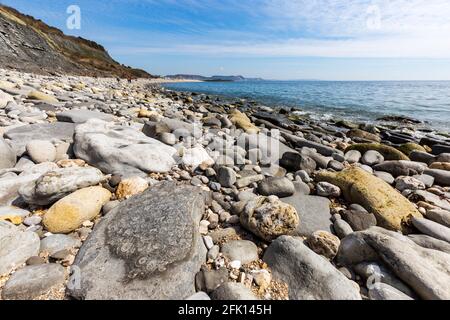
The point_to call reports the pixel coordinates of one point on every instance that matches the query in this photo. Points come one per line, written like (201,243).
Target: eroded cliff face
(29,45)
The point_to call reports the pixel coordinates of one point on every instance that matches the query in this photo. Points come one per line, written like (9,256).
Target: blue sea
(428,101)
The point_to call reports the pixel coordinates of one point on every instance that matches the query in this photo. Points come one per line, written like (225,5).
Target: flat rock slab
(22,135)
(81,116)
(146,248)
(313,211)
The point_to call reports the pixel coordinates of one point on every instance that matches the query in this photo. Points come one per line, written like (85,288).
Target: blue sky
(273,39)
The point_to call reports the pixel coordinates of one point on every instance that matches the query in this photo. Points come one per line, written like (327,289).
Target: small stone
(324,243)
(280,187)
(213,253)
(241,250)
(36,260)
(325,189)
(372,157)
(208,242)
(236,264)
(342,228)
(226,177)
(353,156)
(203,228)
(41,151)
(130,187)
(408,183)
(262,277)
(32,221)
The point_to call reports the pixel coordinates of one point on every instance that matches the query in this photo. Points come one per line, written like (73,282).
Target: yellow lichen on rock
(241,121)
(70,212)
(409,147)
(392,210)
(38,95)
(130,187)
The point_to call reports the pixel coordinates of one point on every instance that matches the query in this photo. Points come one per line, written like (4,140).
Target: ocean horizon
(365,101)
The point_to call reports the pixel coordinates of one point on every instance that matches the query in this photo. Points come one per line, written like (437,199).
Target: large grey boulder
(43,131)
(441,177)
(82,116)
(56,184)
(33,281)
(432,229)
(401,167)
(16,247)
(7,155)
(121,150)
(233,291)
(148,247)
(309,275)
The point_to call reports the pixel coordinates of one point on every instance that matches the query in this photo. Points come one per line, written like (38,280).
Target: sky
(272,39)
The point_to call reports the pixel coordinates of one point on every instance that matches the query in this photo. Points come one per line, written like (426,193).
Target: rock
(310,276)
(325,189)
(320,160)
(5,99)
(389,153)
(240,250)
(324,243)
(335,165)
(241,121)
(439,216)
(32,281)
(385,176)
(41,151)
(431,198)
(392,210)
(440,166)
(425,271)
(56,184)
(7,155)
(16,247)
(432,229)
(313,211)
(269,218)
(359,220)
(294,162)
(372,157)
(353,156)
(233,291)
(82,116)
(408,148)
(194,157)
(246,181)
(430,242)
(401,167)
(70,212)
(301,143)
(422,157)
(138,251)
(38,95)
(199,296)
(13,214)
(223,234)
(441,177)
(357,133)
(280,187)
(120,150)
(354,250)
(46,132)
(408,183)
(58,242)
(130,187)
(375,274)
(168,138)
(226,177)
(342,228)
(382,291)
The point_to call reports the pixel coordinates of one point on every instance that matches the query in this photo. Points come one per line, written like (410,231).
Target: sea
(365,101)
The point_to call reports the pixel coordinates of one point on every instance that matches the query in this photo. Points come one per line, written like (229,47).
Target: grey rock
(435,200)
(335,165)
(82,116)
(246,181)
(16,247)
(420,156)
(321,160)
(353,156)
(313,211)
(280,187)
(210,280)
(325,189)
(226,177)
(41,151)
(401,167)
(56,184)
(426,271)
(382,291)
(372,157)
(199,296)
(342,228)
(385,176)
(439,216)
(138,251)
(58,242)
(233,291)
(294,161)
(441,177)
(33,281)
(241,250)
(168,138)
(7,155)
(310,276)
(121,150)
(408,183)
(430,242)
(11,211)
(432,229)
(301,142)
(359,220)
(426,179)
(22,135)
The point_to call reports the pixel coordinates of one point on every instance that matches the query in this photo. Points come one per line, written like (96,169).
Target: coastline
(179,190)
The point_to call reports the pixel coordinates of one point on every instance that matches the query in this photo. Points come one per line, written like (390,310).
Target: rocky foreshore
(118,190)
